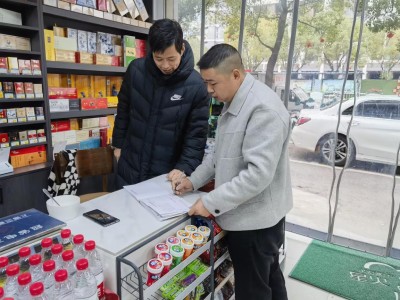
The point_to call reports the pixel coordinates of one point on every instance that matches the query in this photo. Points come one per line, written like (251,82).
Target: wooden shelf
(83,69)
(5,125)
(7,100)
(18,76)
(27,170)
(20,30)
(83,113)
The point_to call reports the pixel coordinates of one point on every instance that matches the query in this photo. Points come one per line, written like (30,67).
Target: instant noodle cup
(166,260)
(198,240)
(190,229)
(205,231)
(160,248)
(173,240)
(154,269)
(187,245)
(176,252)
(181,234)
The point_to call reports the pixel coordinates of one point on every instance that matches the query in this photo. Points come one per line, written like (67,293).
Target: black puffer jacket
(161,121)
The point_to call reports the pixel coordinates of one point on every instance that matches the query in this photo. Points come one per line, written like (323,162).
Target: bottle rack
(134,282)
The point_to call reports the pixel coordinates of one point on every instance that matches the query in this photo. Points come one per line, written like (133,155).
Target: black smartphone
(100,217)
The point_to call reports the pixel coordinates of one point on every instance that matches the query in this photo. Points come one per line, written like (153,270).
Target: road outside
(365,197)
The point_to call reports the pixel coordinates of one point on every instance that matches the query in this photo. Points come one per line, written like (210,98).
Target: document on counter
(158,199)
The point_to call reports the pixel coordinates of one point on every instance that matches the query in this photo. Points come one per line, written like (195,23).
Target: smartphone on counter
(101,217)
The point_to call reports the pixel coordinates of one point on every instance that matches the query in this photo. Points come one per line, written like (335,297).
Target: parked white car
(374,132)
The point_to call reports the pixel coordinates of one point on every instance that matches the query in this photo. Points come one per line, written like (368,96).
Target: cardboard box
(142,10)
(93,103)
(87,3)
(4,138)
(110,6)
(74,124)
(112,101)
(10,17)
(64,5)
(108,16)
(126,20)
(64,55)
(117,18)
(60,125)
(24,67)
(98,13)
(77,8)
(7,42)
(111,121)
(142,24)
(82,41)
(23,137)
(88,11)
(70,136)
(140,48)
(28,156)
(104,43)
(129,49)
(90,123)
(38,90)
(74,104)
(39,113)
(41,135)
(30,113)
(148,25)
(130,5)
(58,137)
(36,68)
(21,114)
(106,60)
(100,86)
(3,115)
(14,138)
(12,115)
(102,5)
(82,135)
(3,65)
(134,22)
(32,136)
(50,2)
(58,105)
(84,86)
(8,89)
(19,90)
(121,7)
(62,93)
(70,1)
(49,44)
(13,65)
(91,41)
(28,87)
(84,58)
(65,43)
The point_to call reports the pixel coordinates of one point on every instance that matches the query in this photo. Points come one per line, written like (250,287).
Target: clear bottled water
(46,248)
(49,268)
(24,254)
(24,281)
(79,251)
(66,239)
(56,251)
(63,289)
(36,291)
(68,264)
(35,267)
(11,287)
(85,286)
(95,266)
(3,268)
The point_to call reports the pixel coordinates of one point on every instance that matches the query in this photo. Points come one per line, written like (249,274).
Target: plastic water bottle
(79,251)
(49,267)
(11,287)
(63,289)
(85,286)
(1,293)
(24,281)
(36,267)
(68,264)
(56,251)
(95,266)
(37,291)
(66,239)
(24,254)
(3,268)
(46,248)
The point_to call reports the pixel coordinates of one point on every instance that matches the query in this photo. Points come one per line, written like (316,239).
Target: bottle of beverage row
(3,267)
(24,281)
(36,267)
(37,292)
(46,248)
(24,254)
(85,283)
(49,268)
(79,251)
(95,266)
(56,251)
(11,287)
(66,241)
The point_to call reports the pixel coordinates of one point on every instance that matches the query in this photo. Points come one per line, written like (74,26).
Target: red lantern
(321,39)
(390,34)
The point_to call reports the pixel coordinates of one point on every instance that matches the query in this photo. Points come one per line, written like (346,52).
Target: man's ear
(236,74)
(183,49)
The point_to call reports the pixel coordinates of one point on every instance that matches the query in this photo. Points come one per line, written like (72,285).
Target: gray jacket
(250,162)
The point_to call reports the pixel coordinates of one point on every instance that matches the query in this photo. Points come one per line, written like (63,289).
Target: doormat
(349,273)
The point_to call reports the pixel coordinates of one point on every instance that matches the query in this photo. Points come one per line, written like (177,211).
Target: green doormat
(349,273)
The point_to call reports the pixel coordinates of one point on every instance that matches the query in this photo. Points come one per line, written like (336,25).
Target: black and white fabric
(70,181)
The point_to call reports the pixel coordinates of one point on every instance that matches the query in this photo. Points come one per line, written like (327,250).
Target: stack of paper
(158,199)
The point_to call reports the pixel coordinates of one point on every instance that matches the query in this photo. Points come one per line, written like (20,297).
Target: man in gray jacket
(250,165)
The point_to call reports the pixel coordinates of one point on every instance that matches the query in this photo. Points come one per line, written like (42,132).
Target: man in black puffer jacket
(162,115)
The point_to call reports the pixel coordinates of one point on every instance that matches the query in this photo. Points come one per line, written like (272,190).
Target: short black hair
(163,34)
(221,56)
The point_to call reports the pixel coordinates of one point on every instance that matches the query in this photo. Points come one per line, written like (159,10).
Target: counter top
(136,222)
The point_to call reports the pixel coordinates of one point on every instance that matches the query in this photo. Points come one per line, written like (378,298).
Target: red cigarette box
(93,103)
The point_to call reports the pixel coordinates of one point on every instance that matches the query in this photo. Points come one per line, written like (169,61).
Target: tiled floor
(297,290)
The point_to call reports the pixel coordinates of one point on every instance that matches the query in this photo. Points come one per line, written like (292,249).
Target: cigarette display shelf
(134,283)
(20,30)
(18,100)
(83,69)
(18,124)
(83,113)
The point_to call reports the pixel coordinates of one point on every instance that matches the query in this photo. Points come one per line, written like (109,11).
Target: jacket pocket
(232,144)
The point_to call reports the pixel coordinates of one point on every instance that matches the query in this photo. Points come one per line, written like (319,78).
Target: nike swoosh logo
(176,97)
